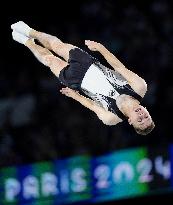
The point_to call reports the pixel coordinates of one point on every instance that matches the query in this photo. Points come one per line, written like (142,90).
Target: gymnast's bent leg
(42,54)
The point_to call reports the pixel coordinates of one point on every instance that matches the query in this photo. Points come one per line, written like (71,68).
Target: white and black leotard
(97,81)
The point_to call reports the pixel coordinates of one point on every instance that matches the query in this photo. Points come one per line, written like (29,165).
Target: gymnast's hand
(69,92)
(93,46)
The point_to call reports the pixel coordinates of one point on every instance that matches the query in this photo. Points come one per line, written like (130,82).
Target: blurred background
(38,124)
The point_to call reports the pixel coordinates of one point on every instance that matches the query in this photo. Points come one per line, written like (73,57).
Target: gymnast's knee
(55,42)
(47,60)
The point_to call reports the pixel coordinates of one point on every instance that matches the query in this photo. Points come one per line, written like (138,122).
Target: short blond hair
(145,131)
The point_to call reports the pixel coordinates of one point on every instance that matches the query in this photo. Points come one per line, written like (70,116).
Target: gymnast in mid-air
(114,94)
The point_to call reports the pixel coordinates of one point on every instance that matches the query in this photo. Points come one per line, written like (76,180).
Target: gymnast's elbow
(106,122)
(142,88)
(109,119)
(109,122)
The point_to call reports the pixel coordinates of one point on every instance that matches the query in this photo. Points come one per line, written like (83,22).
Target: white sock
(21,27)
(19,37)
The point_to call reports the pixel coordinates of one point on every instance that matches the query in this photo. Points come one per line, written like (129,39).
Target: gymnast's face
(140,118)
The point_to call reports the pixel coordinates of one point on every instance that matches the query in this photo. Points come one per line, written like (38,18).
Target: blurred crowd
(37,123)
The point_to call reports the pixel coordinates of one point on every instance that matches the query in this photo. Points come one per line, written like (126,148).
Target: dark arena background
(55,151)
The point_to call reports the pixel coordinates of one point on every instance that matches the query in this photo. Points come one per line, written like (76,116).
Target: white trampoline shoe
(21,27)
(19,37)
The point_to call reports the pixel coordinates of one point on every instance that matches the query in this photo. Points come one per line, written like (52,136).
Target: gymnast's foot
(21,27)
(20,37)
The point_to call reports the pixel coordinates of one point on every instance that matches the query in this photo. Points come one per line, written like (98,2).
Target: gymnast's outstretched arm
(106,117)
(136,82)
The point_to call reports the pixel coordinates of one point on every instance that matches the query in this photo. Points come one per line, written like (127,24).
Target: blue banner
(118,175)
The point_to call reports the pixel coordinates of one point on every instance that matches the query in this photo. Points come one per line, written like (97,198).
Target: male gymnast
(114,94)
